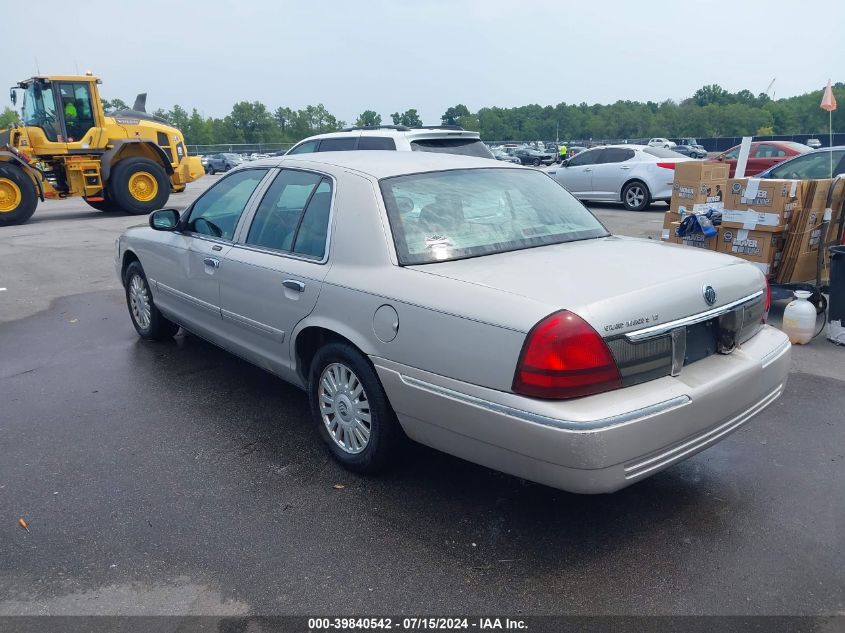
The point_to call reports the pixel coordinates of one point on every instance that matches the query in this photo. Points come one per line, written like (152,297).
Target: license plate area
(719,334)
(701,340)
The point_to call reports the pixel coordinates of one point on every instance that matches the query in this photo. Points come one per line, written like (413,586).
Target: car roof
(384,163)
(392,132)
(628,146)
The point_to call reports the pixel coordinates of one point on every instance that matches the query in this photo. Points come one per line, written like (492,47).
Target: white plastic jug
(799,318)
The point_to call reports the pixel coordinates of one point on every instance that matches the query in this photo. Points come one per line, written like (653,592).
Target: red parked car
(764,154)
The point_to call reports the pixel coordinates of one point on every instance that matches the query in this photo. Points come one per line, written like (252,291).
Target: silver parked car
(635,175)
(475,307)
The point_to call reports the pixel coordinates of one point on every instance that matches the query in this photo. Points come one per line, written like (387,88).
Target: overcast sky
(390,55)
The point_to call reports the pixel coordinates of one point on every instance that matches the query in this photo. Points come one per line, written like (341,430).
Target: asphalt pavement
(173,478)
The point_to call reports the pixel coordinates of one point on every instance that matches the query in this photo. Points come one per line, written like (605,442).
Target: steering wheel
(42,118)
(201,225)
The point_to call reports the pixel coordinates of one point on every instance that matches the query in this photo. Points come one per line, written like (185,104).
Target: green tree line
(711,111)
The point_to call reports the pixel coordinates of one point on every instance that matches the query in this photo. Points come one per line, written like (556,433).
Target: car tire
(210,170)
(351,410)
(138,186)
(149,322)
(18,198)
(536,162)
(636,196)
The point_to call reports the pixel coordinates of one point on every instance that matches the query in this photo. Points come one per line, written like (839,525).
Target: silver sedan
(477,308)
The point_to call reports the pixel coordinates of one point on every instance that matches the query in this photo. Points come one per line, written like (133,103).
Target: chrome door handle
(293,284)
(624,168)
(588,169)
(212,261)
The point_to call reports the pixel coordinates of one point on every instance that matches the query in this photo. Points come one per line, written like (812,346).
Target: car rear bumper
(597,444)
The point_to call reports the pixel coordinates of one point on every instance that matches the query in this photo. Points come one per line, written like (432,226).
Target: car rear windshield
(662,152)
(465,146)
(446,215)
(798,147)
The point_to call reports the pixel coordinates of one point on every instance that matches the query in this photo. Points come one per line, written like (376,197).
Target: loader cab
(63,109)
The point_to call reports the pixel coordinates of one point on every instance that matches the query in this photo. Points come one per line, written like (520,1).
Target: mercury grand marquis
(473,306)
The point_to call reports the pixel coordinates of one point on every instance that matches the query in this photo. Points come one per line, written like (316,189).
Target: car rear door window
(343,144)
(217,212)
(769,151)
(293,215)
(615,155)
(376,142)
(313,230)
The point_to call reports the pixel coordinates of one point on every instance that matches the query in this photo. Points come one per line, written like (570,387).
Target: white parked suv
(661,142)
(446,139)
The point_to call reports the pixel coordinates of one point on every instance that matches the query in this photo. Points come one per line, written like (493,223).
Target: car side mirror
(164,220)
(564,162)
(13,95)
(720,157)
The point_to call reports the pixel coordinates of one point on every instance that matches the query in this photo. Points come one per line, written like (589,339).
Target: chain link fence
(239,148)
(711,144)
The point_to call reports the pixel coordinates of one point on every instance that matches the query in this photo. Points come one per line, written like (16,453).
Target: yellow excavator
(66,145)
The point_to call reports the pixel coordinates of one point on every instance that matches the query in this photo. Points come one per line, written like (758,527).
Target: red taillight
(768,300)
(666,165)
(563,357)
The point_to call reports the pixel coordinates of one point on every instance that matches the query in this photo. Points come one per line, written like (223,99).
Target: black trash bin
(836,309)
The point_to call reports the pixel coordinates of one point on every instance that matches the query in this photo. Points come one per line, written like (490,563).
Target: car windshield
(810,166)
(465,146)
(447,215)
(662,152)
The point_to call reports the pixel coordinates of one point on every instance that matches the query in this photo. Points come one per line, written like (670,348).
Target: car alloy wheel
(345,408)
(139,301)
(636,196)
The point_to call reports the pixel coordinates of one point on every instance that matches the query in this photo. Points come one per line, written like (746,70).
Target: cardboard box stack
(804,235)
(764,249)
(698,187)
(774,224)
(756,214)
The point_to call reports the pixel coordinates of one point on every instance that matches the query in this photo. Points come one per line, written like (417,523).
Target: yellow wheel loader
(66,146)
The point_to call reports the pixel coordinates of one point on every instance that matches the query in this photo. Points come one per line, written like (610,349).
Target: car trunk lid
(617,284)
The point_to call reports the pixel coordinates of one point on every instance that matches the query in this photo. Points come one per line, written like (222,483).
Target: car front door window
(589,157)
(217,212)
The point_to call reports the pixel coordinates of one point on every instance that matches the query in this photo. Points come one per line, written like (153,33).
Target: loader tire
(138,186)
(18,198)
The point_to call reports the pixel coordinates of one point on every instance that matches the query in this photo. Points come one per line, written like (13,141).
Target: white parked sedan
(636,175)
(470,305)
(661,142)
